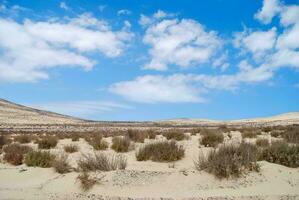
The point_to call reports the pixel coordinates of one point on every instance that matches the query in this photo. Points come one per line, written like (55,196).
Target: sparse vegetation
(23,139)
(249,134)
(61,165)
(47,142)
(167,151)
(39,159)
(120,144)
(175,134)
(87,182)
(14,153)
(229,161)
(71,148)
(102,162)
(281,153)
(261,142)
(291,134)
(97,142)
(75,137)
(151,134)
(275,133)
(3,141)
(211,138)
(137,135)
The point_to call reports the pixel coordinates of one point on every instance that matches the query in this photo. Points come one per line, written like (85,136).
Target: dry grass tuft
(14,153)
(167,151)
(97,142)
(211,138)
(102,162)
(23,139)
(87,182)
(137,135)
(61,165)
(120,144)
(229,161)
(71,148)
(262,142)
(39,159)
(291,134)
(47,142)
(175,134)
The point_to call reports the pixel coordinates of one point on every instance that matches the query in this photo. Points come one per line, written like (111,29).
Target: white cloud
(269,10)
(182,43)
(30,48)
(289,15)
(124,12)
(63,5)
(81,108)
(148,20)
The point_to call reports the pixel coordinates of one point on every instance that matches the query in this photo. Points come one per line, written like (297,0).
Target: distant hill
(11,113)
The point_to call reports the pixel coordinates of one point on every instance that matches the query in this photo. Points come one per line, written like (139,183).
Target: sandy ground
(149,180)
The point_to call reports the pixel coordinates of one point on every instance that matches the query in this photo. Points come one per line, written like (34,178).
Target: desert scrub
(3,141)
(87,182)
(75,137)
(275,133)
(102,162)
(175,134)
(167,151)
(229,161)
(23,139)
(137,135)
(248,134)
(151,134)
(291,134)
(261,142)
(39,159)
(14,153)
(61,165)
(120,144)
(97,142)
(281,153)
(71,148)
(47,142)
(211,138)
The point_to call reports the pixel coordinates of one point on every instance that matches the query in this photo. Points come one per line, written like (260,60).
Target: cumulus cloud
(81,108)
(28,49)
(269,10)
(124,12)
(179,42)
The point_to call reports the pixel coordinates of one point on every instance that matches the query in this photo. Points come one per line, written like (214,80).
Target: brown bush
(151,134)
(23,139)
(262,142)
(275,133)
(291,134)
(97,142)
(281,153)
(87,182)
(211,138)
(75,137)
(14,153)
(71,148)
(61,165)
(229,161)
(3,141)
(167,151)
(39,159)
(47,142)
(120,144)
(249,134)
(137,135)
(102,162)
(175,134)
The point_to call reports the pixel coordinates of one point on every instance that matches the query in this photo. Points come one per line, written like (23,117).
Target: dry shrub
(249,134)
(275,133)
(223,128)
(166,151)
(102,162)
(3,141)
(152,134)
(137,135)
(23,139)
(97,142)
(47,142)
(211,138)
(86,181)
(75,137)
(39,159)
(291,134)
(195,131)
(120,144)
(175,134)
(229,161)
(262,142)
(14,153)
(281,153)
(71,148)
(61,165)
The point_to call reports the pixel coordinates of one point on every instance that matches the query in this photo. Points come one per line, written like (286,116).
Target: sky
(151,60)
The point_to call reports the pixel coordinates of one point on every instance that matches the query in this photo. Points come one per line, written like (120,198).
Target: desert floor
(149,180)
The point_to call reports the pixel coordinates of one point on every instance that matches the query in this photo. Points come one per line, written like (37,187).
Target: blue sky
(151,60)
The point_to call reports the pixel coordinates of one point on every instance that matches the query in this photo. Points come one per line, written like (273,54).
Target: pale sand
(149,179)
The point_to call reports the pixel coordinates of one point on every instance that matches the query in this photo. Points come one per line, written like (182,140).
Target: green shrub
(137,135)
(61,165)
(211,138)
(175,134)
(14,153)
(229,161)
(281,153)
(167,151)
(47,142)
(120,144)
(102,162)
(71,148)
(39,159)
(262,142)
